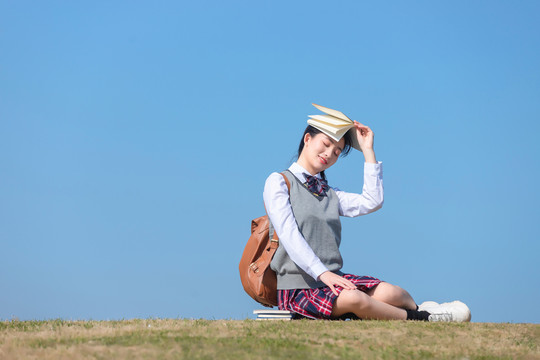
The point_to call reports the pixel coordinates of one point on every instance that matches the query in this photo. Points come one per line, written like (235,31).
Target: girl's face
(320,152)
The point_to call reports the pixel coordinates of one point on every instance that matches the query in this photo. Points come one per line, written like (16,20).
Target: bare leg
(365,307)
(393,295)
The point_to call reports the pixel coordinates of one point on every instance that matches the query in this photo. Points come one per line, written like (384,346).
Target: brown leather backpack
(258,279)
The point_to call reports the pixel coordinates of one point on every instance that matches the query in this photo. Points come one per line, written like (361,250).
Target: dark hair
(313,131)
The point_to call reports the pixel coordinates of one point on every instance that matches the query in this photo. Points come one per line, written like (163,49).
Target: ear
(307,138)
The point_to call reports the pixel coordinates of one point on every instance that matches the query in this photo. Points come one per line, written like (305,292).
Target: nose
(328,153)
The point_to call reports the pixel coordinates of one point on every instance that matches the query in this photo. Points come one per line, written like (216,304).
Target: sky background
(135,139)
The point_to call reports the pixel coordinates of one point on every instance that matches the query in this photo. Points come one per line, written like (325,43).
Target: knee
(355,299)
(391,292)
(398,292)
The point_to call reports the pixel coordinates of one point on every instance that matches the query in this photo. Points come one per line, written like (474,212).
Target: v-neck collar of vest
(318,197)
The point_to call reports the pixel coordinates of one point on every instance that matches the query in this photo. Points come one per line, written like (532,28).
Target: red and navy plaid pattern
(317,186)
(317,303)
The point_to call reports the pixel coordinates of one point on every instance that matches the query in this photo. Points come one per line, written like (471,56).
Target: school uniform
(309,230)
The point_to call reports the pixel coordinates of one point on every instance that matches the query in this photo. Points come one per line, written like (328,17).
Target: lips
(323,160)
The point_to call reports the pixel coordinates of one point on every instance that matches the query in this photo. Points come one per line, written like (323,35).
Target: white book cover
(271,312)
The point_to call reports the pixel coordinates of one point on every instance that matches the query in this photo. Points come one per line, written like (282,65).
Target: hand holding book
(365,139)
(364,136)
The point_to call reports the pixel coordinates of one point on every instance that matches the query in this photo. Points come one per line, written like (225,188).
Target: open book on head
(334,123)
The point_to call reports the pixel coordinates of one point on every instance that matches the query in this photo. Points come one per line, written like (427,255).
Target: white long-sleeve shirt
(278,207)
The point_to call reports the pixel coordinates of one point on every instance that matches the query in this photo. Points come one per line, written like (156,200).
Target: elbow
(377,203)
(368,203)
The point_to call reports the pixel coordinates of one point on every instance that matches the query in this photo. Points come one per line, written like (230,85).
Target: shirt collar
(299,171)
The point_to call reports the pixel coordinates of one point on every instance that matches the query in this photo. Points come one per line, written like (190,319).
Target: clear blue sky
(118,117)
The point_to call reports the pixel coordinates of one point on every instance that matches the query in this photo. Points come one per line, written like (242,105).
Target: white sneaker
(427,305)
(441,315)
(456,311)
(461,310)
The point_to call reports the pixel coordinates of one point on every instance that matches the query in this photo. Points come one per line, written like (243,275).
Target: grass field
(249,339)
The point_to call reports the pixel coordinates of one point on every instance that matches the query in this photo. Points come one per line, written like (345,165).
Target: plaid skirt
(317,303)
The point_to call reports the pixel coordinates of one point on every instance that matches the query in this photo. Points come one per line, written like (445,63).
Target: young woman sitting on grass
(308,261)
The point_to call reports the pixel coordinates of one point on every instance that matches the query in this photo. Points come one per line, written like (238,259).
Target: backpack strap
(274,242)
(287,182)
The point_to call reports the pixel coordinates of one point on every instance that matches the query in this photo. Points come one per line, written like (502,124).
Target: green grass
(249,339)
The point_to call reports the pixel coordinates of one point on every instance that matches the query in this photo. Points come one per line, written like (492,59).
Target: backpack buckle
(254,267)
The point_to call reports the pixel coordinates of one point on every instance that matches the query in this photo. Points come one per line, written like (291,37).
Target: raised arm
(372,197)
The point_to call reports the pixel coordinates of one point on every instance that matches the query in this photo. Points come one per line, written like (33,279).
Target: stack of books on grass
(273,314)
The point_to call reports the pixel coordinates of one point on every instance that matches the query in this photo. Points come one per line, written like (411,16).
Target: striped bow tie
(315,185)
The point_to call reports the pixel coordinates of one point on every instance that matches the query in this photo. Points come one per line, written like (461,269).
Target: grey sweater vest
(318,221)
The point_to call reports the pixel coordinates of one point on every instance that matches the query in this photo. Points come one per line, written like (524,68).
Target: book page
(332,131)
(331,120)
(332,112)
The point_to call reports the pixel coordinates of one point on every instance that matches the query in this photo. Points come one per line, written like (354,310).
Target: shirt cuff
(318,269)
(373,168)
